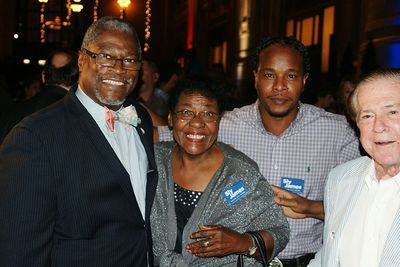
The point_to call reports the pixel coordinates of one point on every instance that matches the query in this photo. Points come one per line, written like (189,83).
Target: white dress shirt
(125,142)
(365,233)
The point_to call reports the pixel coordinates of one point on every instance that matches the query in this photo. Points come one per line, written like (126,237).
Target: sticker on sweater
(235,192)
(293,185)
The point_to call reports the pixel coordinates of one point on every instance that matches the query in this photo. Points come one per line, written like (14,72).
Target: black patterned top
(185,203)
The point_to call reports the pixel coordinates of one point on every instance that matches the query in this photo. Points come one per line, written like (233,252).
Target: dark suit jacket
(49,95)
(65,198)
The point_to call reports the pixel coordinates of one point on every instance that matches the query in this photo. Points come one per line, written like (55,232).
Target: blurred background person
(148,92)
(170,73)
(346,87)
(60,73)
(324,95)
(231,101)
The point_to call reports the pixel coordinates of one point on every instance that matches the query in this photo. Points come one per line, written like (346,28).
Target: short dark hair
(67,74)
(288,41)
(202,85)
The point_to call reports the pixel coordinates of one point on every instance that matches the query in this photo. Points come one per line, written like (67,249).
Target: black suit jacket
(65,198)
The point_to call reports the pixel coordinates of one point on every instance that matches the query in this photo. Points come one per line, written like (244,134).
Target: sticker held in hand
(293,185)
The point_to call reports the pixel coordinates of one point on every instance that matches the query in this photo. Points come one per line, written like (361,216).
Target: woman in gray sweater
(209,194)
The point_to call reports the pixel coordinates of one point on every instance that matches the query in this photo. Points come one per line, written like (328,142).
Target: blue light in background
(389,56)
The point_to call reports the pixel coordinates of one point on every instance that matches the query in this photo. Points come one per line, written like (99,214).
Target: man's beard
(109,100)
(281,114)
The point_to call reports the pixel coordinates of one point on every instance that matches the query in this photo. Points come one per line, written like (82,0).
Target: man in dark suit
(60,73)
(78,177)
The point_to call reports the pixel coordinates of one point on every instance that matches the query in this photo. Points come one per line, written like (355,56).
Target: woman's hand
(218,241)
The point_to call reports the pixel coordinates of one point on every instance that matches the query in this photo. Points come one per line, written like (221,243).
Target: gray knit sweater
(252,211)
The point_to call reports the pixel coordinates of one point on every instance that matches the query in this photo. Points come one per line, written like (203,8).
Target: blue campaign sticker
(293,185)
(235,192)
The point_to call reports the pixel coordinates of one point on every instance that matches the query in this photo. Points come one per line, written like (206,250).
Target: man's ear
(156,76)
(81,61)
(305,77)
(170,121)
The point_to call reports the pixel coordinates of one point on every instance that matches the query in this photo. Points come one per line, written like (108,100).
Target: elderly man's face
(109,86)
(379,121)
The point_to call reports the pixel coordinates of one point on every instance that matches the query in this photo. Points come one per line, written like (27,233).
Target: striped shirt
(314,143)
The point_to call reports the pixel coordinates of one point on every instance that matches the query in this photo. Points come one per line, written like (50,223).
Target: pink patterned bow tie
(127,115)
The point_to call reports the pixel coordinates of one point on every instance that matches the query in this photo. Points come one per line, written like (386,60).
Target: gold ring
(206,243)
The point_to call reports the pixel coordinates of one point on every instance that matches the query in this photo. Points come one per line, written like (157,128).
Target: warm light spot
(191,5)
(289,27)
(327,31)
(26,61)
(239,71)
(298,30)
(124,3)
(316,29)
(307,31)
(41,62)
(16,36)
(76,7)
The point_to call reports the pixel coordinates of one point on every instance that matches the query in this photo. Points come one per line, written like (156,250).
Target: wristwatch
(253,248)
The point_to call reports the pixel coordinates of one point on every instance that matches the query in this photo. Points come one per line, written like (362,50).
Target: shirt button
(332,235)
(275,166)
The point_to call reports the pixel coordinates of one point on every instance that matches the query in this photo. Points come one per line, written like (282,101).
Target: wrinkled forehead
(116,39)
(379,90)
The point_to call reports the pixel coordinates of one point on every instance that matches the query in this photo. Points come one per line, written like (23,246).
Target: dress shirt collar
(96,110)
(293,127)
(370,178)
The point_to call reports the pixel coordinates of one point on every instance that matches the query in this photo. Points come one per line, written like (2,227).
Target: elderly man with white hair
(362,196)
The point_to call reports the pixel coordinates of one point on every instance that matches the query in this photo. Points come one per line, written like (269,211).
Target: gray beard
(106,101)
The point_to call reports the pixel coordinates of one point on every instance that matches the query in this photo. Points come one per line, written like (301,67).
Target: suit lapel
(146,139)
(349,191)
(94,135)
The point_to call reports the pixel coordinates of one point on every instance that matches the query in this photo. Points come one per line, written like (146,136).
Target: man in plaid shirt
(294,144)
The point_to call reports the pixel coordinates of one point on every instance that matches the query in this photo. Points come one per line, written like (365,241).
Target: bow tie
(127,115)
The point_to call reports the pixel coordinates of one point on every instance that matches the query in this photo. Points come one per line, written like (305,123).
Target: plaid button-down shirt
(314,143)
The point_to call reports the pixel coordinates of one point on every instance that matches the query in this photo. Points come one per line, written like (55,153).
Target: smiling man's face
(378,118)
(109,86)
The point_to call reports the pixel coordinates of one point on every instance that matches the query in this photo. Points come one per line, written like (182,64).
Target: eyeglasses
(106,60)
(188,115)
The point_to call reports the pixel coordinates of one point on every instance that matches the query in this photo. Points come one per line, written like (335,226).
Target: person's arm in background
(162,133)
(297,207)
